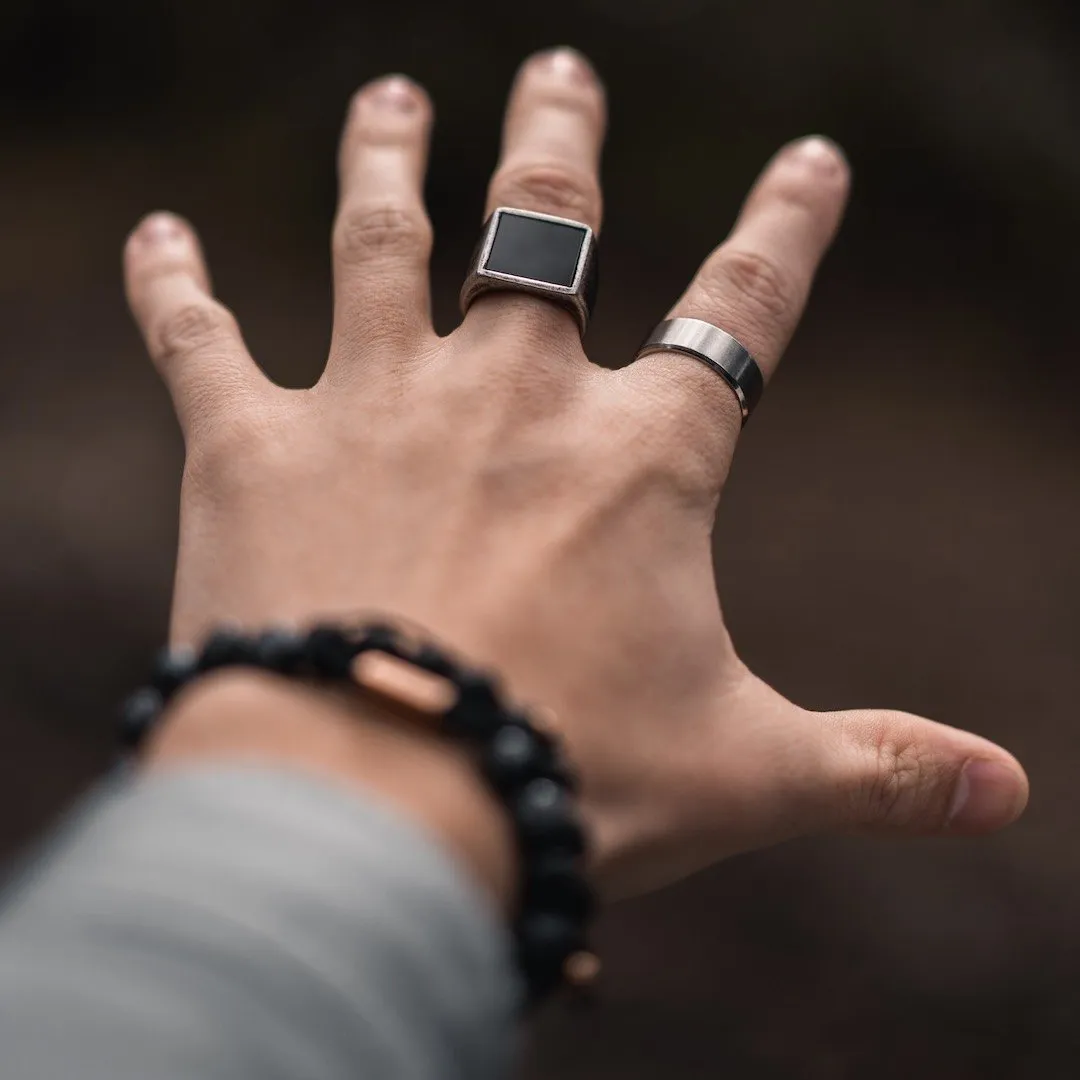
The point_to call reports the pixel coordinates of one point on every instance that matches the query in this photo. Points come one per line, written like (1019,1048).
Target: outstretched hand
(544,516)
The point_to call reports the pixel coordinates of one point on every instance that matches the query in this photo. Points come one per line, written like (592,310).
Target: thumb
(890,771)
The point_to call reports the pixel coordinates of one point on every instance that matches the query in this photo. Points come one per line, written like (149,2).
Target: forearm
(250,716)
(224,915)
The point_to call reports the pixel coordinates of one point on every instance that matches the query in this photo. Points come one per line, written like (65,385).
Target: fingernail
(989,794)
(397,93)
(567,63)
(161,227)
(821,152)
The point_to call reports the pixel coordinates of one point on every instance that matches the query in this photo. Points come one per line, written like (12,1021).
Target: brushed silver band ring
(716,348)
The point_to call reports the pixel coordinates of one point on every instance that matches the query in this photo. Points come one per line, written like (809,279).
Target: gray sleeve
(248,924)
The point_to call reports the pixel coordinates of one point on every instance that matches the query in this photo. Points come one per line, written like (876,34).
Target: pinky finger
(194,340)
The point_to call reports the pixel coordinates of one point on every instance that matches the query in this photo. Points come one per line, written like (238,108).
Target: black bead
(437,662)
(377,637)
(329,652)
(512,758)
(544,942)
(279,650)
(556,882)
(172,669)
(545,817)
(479,687)
(477,713)
(554,764)
(225,648)
(138,715)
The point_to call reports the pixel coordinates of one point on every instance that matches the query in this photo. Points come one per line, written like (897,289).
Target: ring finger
(550,163)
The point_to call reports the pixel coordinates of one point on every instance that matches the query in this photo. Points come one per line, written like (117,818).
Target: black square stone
(528,247)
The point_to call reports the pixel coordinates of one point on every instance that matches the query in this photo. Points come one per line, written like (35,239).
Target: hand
(541,515)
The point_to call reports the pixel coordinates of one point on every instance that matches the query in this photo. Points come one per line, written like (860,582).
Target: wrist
(252,716)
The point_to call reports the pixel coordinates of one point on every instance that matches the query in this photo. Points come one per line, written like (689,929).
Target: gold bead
(582,968)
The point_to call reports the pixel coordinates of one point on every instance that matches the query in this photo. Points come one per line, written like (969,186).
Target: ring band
(546,256)
(714,347)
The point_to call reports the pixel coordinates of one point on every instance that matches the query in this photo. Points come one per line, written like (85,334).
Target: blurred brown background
(901,528)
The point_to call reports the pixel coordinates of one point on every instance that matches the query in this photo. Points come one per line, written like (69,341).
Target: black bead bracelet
(521,762)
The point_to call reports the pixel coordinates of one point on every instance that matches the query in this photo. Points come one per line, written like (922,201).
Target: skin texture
(546,517)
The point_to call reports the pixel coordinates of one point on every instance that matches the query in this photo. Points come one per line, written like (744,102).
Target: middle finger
(550,163)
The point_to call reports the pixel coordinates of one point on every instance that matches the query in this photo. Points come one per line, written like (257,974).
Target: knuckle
(193,328)
(551,188)
(367,231)
(756,280)
(902,788)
